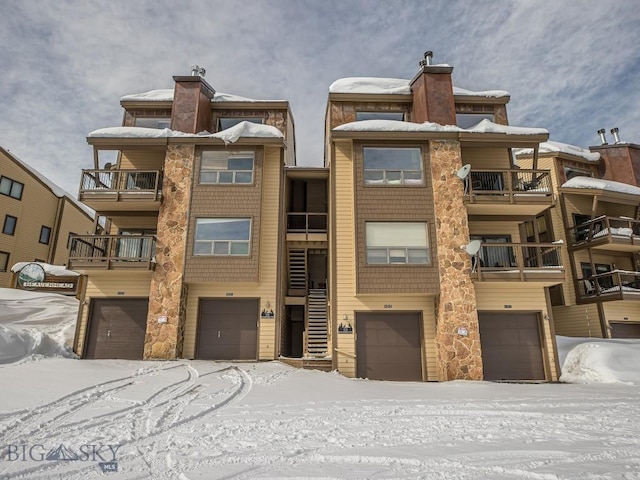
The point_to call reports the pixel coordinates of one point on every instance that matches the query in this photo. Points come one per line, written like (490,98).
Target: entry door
(228,329)
(117,328)
(388,346)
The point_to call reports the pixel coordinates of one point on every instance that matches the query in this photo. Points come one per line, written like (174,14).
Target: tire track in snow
(176,397)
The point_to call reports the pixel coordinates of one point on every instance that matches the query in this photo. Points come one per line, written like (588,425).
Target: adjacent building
(37,218)
(415,253)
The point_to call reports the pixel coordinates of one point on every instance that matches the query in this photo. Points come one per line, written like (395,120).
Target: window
(468,120)
(570,172)
(604,282)
(228,122)
(4,261)
(222,236)
(11,188)
(152,122)
(397,243)
(45,235)
(399,116)
(393,166)
(226,167)
(492,253)
(9,227)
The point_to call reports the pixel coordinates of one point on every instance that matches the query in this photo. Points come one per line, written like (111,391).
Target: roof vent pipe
(614,132)
(428,55)
(603,139)
(197,71)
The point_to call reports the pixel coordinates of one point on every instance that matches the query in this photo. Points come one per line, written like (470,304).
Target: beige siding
(346,302)
(265,289)
(622,311)
(142,159)
(522,296)
(113,284)
(74,220)
(486,158)
(577,321)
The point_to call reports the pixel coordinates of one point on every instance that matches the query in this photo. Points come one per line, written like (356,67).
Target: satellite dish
(473,247)
(464,171)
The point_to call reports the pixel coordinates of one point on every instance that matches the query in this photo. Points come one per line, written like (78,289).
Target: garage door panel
(117,328)
(388,346)
(227,329)
(625,330)
(511,346)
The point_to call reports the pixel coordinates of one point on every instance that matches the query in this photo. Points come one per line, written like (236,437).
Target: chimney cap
(426,61)
(198,71)
(614,132)
(603,139)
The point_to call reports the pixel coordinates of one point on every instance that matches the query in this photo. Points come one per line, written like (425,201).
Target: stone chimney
(433,93)
(192,102)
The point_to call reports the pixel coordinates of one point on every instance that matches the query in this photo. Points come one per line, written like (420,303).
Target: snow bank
(559,147)
(247,130)
(598,360)
(487,126)
(599,184)
(166,95)
(34,324)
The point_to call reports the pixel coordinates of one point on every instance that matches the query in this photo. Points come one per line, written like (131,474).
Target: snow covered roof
(559,147)
(166,95)
(485,126)
(54,270)
(55,189)
(599,184)
(396,86)
(230,135)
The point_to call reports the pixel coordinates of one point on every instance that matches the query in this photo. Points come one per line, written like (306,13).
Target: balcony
(508,192)
(611,233)
(615,285)
(307,227)
(121,190)
(112,252)
(525,262)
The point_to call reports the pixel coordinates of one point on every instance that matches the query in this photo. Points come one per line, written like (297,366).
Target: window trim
(42,230)
(229,241)
(15,225)
(3,268)
(12,182)
(385,182)
(388,249)
(234,173)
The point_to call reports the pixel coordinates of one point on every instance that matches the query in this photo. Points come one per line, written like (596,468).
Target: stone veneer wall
(163,340)
(459,356)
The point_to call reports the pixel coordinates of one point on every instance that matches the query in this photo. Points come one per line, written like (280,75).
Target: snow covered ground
(191,420)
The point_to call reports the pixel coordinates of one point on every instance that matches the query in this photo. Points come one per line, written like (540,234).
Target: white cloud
(569,66)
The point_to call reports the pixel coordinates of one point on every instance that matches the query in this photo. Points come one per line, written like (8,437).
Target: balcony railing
(121,184)
(518,261)
(307,222)
(112,251)
(509,186)
(614,285)
(606,230)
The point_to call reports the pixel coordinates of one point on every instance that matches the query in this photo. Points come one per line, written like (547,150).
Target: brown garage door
(117,327)
(511,348)
(625,330)
(388,346)
(227,329)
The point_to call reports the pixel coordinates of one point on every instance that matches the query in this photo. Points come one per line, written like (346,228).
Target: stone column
(459,355)
(164,340)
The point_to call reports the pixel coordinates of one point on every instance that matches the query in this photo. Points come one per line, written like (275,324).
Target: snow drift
(599,360)
(34,324)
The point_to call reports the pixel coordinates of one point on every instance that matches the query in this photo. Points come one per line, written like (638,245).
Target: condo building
(416,252)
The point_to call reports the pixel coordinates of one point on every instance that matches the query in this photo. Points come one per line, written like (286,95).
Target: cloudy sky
(571,66)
